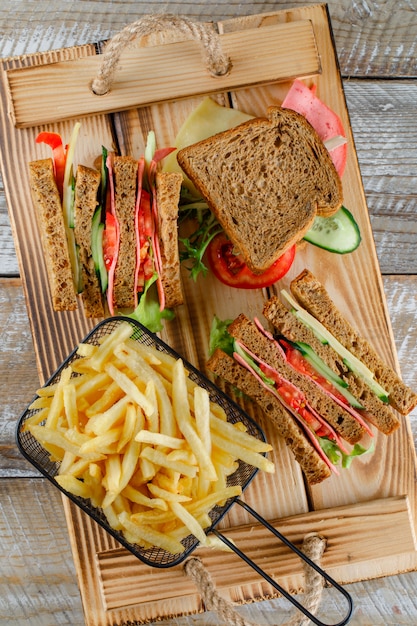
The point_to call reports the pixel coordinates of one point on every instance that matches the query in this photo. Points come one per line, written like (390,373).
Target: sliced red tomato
(325,121)
(298,362)
(109,239)
(54,141)
(231,270)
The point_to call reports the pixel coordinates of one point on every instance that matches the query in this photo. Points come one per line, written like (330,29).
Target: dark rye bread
(85,204)
(314,468)
(348,428)
(125,169)
(312,295)
(286,324)
(265,180)
(168,188)
(47,203)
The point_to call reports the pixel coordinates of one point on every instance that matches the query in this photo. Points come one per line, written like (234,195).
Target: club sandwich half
(320,382)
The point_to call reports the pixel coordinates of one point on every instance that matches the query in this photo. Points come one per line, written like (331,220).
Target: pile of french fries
(138,438)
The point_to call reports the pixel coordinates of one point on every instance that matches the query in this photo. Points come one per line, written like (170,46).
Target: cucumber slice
(97,228)
(322,369)
(338,233)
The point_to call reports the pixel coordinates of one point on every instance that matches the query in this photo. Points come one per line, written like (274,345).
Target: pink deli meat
(326,122)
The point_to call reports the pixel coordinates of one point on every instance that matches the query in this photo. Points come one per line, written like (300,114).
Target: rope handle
(217,63)
(313,546)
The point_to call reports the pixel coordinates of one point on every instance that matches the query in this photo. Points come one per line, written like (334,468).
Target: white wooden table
(376,50)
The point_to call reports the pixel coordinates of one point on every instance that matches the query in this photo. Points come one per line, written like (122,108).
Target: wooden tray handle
(218,64)
(313,546)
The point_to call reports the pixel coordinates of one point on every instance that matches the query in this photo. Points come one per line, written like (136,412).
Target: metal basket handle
(302,556)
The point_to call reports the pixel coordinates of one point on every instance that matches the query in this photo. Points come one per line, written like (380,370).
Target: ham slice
(326,122)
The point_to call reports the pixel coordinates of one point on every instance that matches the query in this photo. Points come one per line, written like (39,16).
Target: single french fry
(244,454)
(140,498)
(148,534)
(130,388)
(70,405)
(36,418)
(189,521)
(111,394)
(86,349)
(159,439)
(159,458)
(108,345)
(153,416)
(57,404)
(165,495)
(183,418)
(234,433)
(102,422)
(130,426)
(73,485)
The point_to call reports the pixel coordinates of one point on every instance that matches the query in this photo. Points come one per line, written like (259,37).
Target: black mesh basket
(158,557)
(40,458)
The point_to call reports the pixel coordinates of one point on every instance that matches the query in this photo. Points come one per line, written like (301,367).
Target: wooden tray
(353,511)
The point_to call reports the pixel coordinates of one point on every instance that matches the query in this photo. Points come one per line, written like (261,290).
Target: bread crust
(47,203)
(313,296)
(313,466)
(85,203)
(125,169)
(265,180)
(168,189)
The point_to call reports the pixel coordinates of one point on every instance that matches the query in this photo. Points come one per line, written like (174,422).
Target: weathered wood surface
(373,40)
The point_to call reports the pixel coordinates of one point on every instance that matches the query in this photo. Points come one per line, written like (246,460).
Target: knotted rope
(313,547)
(216,61)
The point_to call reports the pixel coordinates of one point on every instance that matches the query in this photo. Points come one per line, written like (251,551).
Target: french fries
(137,437)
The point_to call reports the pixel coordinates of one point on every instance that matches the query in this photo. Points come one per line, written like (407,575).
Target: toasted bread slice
(313,466)
(168,188)
(312,295)
(265,180)
(286,324)
(87,182)
(125,183)
(347,426)
(48,207)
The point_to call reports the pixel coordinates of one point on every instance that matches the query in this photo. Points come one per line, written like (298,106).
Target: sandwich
(110,233)
(320,383)
(265,180)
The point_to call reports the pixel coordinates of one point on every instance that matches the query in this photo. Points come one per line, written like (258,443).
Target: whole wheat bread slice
(313,296)
(85,203)
(168,188)
(286,324)
(47,202)
(265,180)
(125,170)
(314,468)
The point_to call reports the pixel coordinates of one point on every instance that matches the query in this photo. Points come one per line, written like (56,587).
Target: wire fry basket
(33,451)
(157,557)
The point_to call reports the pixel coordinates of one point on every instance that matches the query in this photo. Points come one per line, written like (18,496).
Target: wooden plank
(125,581)
(38,583)
(60,91)
(371,42)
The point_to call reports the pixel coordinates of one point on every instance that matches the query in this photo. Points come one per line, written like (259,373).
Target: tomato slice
(54,141)
(231,270)
(109,239)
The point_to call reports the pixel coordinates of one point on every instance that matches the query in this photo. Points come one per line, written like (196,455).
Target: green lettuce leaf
(219,336)
(147,312)
(333,452)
